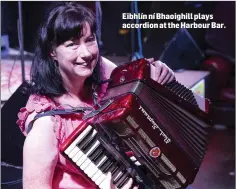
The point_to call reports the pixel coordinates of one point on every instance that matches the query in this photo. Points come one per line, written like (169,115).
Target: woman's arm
(40,155)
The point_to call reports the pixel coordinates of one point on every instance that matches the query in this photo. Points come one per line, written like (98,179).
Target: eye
(91,39)
(70,44)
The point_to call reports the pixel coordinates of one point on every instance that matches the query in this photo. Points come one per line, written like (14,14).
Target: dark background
(115,43)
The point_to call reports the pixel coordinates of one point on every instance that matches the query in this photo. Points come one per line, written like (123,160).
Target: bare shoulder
(108,66)
(41,139)
(46,121)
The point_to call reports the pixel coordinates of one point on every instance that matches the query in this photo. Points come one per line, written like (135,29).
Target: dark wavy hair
(64,22)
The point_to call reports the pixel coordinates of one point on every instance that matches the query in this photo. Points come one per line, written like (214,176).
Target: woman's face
(77,58)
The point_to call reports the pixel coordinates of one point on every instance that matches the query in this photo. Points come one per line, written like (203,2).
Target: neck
(75,88)
(76,96)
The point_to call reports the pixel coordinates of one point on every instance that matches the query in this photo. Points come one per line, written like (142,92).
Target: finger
(128,185)
(107,181)
(168,76)
(163,74)
(153,72)
(150,60)
(136,187)
(172,77)
(158,69)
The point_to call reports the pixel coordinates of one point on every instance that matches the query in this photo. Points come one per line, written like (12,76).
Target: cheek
(93,49)
(95,52)
(67,57)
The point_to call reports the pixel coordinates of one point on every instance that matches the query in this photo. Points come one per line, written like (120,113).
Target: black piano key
(124,181)
(94,152)
(120,177)
(85,136)
(114,167)
(120,169)
(102,166)
(85,139)
(109,165)
(98,158)
(89,144)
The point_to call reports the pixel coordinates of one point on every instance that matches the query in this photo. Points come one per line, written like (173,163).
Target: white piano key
(84,158)
(85,164)
(73,144)
(102,185)
(81,154)
(91,169)
(96,175)
(77,156)
(100,179)
(73,152)
(81,160)
(88,161)
(137,163)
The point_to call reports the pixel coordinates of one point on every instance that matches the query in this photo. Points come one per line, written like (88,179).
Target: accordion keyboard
(88,154)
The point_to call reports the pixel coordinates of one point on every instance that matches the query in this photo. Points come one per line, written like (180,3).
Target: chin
(85,73)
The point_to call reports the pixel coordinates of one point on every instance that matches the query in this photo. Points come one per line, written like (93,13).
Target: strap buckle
(100,109)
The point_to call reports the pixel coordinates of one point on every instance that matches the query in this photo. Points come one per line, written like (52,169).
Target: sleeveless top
(65,175)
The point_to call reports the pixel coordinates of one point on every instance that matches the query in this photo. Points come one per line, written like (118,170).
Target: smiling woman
(76,58)
(68,37)
(65,71)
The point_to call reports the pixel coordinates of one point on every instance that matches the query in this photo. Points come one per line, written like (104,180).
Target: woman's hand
(160,72)
(107,183)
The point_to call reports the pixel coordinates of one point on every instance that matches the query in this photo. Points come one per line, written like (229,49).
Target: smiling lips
(82,64)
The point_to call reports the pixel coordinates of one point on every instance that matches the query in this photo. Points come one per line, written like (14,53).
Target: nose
(84,52)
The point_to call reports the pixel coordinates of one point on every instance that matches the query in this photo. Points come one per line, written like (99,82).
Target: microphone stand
(21,39)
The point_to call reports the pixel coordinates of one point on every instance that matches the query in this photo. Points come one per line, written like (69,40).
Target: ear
(53,55)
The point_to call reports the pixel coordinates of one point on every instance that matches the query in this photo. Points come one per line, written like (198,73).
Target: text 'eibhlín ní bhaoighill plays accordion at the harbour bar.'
(162,16)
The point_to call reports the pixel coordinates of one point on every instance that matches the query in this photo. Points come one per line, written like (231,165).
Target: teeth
(82,64)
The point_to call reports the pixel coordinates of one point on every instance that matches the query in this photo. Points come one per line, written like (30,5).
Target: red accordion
(153,133)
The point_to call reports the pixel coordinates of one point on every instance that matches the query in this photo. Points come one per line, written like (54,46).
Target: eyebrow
(76,37)
(92,35)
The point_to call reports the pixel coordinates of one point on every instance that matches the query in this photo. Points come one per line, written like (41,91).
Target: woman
(66,66)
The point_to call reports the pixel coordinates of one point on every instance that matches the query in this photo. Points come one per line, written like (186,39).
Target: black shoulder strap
(57,112)
(71,111)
